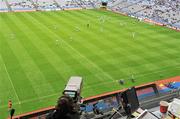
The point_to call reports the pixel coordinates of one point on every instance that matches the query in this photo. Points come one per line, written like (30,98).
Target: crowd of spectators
(166,12)
(3,6)
(8,5)
(20,5)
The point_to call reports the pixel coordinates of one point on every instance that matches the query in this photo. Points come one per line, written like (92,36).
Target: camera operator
(65,109)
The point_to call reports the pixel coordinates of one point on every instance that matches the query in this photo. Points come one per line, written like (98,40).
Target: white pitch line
(33,99)
(87,87)
(10,80)
(138,75)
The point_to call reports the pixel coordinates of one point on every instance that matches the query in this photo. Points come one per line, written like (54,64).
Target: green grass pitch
(39,51)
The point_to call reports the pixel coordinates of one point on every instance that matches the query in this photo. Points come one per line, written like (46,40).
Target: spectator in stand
(65,109)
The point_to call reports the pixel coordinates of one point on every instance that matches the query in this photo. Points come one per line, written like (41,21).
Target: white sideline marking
(32,99)
(87,87)
(10,80)
(137,75)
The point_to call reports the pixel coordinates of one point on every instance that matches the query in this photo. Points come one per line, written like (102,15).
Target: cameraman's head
(65,104)
(66,108)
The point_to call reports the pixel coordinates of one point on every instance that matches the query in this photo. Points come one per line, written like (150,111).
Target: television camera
(73,88)
(98,108)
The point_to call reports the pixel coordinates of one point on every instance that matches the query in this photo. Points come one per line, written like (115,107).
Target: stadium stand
(166,12)
(3,6)
(20,5)
(16,5)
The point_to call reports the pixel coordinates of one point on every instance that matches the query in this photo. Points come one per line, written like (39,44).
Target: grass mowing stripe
(100,42)
(111,42)
(76,52)
(68,69)
(67,77)
(85,46)
(16,73)
(81,40)
(29,93)
(84,62)
(51,49)
(37,57)
(154,65)
(12,63)
(39,41)
(34,75)
(15,49)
